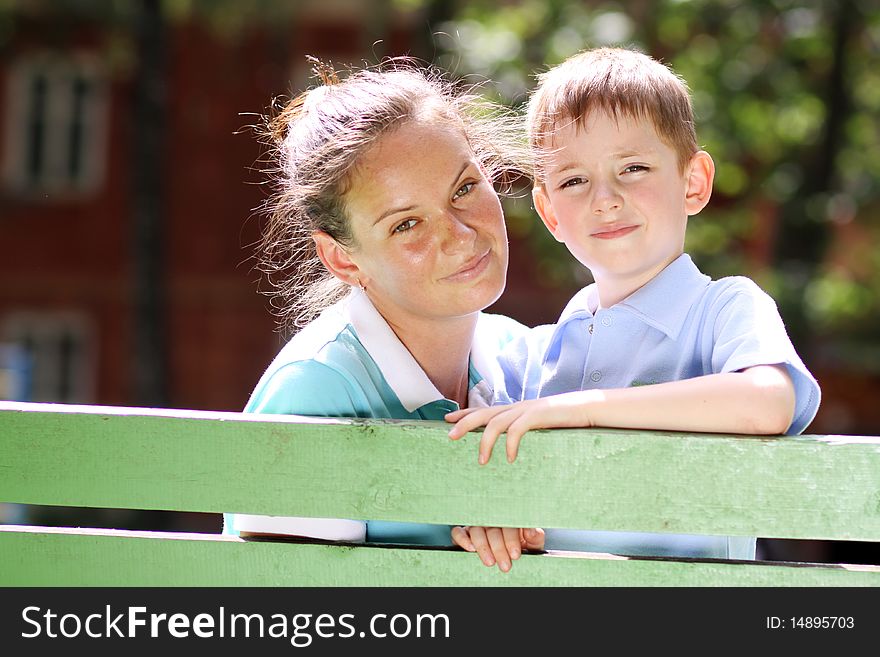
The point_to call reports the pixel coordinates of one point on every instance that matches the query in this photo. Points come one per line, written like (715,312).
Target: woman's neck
(442,348)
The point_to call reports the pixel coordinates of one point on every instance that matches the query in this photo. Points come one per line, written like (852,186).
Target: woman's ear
(544,208)
(336,259)
(700,176)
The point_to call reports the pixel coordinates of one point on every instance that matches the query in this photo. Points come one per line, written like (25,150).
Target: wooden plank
(823,487)
(117,558)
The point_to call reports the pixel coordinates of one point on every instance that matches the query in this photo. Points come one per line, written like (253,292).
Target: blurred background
(129,179)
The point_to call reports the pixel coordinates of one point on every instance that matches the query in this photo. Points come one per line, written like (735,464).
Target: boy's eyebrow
(619,155)
(408,208)
(565,167)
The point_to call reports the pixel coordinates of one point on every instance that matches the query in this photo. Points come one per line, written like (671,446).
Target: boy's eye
(463,190)
(571,182)
(635,168)
(404,226)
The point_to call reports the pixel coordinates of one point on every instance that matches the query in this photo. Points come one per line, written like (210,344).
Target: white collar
(401,371)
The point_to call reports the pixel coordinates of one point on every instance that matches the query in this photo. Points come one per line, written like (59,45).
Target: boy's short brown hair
(616,81)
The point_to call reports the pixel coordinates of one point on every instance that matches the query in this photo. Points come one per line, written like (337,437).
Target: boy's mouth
(613,231)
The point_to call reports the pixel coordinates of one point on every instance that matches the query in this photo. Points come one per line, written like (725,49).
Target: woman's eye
(463,190)
(571,182)
(404,226)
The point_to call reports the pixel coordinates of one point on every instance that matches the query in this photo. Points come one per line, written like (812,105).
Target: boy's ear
(544,208)
(701,175)
(337,260)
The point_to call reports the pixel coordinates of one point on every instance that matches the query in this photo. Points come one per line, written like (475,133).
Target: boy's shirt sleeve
(303,388)
(748,332)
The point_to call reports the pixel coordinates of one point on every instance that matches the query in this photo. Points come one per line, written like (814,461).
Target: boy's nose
(605,199)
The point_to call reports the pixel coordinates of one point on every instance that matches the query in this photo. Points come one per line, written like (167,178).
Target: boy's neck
(612,290)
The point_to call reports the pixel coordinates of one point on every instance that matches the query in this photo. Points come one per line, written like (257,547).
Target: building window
(54,355)
(55,127)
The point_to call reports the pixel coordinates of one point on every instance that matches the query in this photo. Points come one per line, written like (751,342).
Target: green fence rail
(809,487)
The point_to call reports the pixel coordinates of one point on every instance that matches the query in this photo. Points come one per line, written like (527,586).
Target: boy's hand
(566,410)
(501,545)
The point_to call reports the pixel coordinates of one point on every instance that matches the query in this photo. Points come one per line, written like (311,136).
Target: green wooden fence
(820,487)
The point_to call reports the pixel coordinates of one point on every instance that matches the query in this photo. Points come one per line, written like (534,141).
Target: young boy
(653,343)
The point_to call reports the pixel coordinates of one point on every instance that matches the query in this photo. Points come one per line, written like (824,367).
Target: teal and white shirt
(349,363)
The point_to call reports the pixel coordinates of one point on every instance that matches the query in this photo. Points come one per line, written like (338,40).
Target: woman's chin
(480,296)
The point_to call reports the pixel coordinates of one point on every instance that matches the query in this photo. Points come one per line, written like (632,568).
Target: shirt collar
(403,374)
(663,302)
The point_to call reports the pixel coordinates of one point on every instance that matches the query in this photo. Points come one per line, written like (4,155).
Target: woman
(386,180)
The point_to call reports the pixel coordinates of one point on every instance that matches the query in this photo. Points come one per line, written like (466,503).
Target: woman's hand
(501,545)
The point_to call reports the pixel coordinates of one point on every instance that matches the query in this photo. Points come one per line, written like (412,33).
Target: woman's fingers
(512,542)
(499,548)
(498,545)
(481,544)
(461,537)
(533,538)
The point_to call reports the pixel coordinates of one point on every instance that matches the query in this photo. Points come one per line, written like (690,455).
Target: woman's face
(429,235)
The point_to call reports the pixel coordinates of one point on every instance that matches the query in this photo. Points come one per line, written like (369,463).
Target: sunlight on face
(429,235)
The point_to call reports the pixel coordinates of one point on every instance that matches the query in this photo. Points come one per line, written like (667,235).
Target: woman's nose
(458,233)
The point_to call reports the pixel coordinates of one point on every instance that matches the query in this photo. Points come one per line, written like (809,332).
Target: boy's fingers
(487,442)
(468,421)
(462,539)
(472,418)
(455,416)
(515,434)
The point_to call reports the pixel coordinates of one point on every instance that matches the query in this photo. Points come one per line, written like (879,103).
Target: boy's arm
(756,400)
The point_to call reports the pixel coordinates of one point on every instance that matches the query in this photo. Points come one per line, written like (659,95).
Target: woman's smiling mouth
(471,269)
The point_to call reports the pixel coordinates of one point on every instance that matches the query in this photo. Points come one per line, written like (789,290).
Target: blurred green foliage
(787,97)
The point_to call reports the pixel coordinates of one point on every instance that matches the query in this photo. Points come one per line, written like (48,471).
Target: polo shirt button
(596,376)
(590,329)
(606,321)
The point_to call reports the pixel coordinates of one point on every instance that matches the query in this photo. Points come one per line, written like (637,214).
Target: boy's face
(614,194)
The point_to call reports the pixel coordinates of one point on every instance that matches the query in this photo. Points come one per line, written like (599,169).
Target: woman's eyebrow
(410,208)
(458,176)
(393,211)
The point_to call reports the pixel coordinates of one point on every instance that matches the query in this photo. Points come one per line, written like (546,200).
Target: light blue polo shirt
(349,363)
(679,325)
